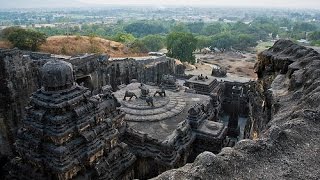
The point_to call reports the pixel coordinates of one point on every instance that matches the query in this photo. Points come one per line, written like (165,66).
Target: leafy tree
(203,41)
(240,27)
(100,31)
(27,39)
(238,41)
(304,27)
(314,36)
(181,45)
(7,31)
(153,42)
(223,41)
(138,46)
(212,29)
(140,29)
(124,37)
(315,43)
(196,27)
(243,41)
(180,27)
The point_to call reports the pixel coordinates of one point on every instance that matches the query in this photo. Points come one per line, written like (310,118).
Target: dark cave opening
(85,81)
(3,161)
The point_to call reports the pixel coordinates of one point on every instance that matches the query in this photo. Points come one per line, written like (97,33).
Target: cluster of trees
(141,29)
(226,41)
(145,44)
(181,39)
(24,39)
(314,37)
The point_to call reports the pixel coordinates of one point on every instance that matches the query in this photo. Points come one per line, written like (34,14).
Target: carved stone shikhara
(68,133)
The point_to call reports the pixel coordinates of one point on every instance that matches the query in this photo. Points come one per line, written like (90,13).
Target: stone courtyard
(161,120)
(137,109)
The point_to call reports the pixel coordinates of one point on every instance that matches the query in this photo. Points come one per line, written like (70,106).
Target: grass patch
(263,46)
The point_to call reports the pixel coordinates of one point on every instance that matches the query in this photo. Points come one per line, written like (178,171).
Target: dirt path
(240,67)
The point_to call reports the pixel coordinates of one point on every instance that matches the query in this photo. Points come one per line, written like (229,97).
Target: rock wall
(288,121)
(122,71)
(20,77)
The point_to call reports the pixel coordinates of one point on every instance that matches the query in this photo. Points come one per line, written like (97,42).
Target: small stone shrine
(202,84)
(169,82)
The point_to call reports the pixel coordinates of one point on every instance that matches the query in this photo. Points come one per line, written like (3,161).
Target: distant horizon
(62,4)
(154,7)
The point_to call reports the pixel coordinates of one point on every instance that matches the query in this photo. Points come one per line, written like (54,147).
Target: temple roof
(57,75)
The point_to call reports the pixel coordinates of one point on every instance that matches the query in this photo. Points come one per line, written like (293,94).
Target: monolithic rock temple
(94,117)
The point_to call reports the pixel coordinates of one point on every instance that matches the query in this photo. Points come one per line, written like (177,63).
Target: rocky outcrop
(287,142)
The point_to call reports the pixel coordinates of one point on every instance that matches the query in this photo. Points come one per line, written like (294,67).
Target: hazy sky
(314,4)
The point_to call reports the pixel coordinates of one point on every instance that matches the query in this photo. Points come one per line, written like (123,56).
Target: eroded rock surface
(287,142)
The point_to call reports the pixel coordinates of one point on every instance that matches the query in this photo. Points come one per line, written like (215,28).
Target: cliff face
(19,77)
(285,123)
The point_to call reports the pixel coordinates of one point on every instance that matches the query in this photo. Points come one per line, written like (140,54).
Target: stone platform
(137,110)
(164,118)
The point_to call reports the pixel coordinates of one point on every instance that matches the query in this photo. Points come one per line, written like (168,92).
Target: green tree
(203,41)
(138,46)
(223,41)
(7,31)
(27,39)
(181,45)
(180,27)
(124,37)
(154,42)
(314,36)
(304,27)
(212,29)
(140,29)
(196,27)
(243,41)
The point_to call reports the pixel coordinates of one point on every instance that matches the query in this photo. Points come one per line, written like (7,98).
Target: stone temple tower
(70,134)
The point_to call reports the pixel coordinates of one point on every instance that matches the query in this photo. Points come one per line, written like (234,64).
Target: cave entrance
(85,81)
(224,118)
(234,111)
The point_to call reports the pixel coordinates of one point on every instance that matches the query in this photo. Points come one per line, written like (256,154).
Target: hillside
(73,45)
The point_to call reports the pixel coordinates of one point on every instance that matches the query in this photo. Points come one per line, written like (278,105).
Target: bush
(153,42)
(138,46)
(26,39)
(123,37)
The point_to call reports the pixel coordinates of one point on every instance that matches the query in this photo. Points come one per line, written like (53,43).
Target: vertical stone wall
(19,77)
(122,71)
